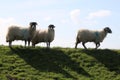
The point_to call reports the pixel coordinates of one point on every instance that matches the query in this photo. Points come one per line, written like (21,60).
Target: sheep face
(51,26)
(33,25)
(107,30)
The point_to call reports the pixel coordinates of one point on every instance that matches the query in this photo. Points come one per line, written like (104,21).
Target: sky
(68,16)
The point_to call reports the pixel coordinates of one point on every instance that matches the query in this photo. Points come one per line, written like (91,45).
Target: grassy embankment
(59,63)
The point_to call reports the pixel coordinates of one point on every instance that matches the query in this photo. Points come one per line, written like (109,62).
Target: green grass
(59,63)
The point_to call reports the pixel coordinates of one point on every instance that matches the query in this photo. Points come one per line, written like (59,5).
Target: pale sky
(67,15)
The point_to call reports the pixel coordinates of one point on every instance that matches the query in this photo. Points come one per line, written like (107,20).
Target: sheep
(18,33)
(46,36)
(85,36)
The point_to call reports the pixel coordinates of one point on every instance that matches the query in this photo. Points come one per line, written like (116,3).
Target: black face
(33,23)
(108,30)
(51,26)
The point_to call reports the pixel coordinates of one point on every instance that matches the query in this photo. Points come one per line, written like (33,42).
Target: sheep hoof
(95,48)
(75,47)
(85,48)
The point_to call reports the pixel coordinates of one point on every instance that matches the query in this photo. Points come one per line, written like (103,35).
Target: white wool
(19,33)
(46,36)
(90,36)
(86,35)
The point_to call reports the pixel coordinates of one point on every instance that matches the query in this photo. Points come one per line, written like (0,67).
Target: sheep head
(33,23)
(51,26)
(107,30)
(33,26)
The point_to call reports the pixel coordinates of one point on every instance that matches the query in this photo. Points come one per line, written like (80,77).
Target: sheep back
(17,33)
(43,36)
(89,36)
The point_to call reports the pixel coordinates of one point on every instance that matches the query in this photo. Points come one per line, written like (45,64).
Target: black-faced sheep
(44,36)
(19,33)
(85,36)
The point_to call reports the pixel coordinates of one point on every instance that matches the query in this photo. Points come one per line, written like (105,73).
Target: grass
(59,63)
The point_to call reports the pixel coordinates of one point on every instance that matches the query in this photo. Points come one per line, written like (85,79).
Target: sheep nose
(110,31)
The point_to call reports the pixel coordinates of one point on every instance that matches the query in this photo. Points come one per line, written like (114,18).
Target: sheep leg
(76,44)
(33,45)
(28,43)
(77,41)
(25,43)
(48,44)
(83,43)
(97,45)
(10,44)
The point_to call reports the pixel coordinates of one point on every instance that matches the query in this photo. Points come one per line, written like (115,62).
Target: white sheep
(19,33)
(85,36)
(44,36)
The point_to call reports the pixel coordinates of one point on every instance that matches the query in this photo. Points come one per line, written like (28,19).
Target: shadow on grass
(110,58)
(50,60)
